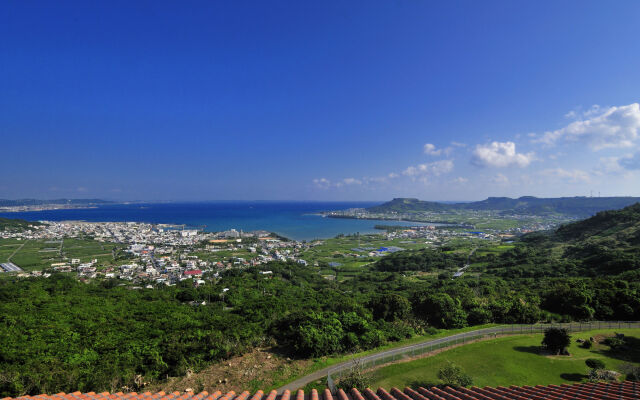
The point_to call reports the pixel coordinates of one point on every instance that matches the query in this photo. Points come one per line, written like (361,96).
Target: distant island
(55,204)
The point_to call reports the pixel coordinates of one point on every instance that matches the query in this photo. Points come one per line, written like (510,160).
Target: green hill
(621,225)
(408,205)
(575,206)
(605,244)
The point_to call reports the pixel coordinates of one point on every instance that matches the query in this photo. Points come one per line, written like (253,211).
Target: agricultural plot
(353,251)
(87,250)
(40,254)
(496,249)
(34,255)
(6,250)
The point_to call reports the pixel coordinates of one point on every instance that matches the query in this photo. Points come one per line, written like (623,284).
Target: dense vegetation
(420,260)
(606,244)
(59,334)
(576,206)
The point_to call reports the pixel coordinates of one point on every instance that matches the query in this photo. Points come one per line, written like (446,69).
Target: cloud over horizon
(601,129)
(612,127)
(500,155)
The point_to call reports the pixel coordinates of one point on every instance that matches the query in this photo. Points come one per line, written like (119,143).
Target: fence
(373,360)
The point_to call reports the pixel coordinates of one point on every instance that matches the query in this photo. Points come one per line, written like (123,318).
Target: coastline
(295,220)
(435,223)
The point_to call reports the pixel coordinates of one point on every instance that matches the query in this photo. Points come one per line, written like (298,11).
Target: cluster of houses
(164,254)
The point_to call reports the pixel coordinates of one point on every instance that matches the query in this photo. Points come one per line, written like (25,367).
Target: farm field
(511,360)
(38,254)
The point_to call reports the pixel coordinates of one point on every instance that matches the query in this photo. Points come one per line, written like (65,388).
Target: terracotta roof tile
(580,391)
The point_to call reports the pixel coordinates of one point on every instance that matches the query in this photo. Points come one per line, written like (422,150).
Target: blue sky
(319,100)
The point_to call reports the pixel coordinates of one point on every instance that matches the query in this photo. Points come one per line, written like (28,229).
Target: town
(148,255)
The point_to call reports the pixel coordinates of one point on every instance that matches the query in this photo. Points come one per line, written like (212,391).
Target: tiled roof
(581,391)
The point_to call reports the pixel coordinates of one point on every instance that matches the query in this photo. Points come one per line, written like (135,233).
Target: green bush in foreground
(594,363)
(355,378)
(453,375)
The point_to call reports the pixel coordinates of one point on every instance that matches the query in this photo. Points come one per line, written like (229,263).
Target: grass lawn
(511,360)
(323,362)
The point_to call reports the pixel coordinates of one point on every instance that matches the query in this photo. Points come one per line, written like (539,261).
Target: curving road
(427,346)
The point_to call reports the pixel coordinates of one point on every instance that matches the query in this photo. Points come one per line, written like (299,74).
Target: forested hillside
(605,244)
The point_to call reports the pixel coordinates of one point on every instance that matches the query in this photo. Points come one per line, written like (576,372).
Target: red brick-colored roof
(581,391)
(193,272)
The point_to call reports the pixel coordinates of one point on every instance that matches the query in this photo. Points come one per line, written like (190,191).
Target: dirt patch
(258,369)
(602,338)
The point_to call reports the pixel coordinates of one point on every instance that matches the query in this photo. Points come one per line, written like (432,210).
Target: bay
(292,219)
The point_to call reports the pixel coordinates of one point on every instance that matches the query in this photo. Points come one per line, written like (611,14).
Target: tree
(390,307)
(594,363)
(440,310)
(453,375)
(556,340)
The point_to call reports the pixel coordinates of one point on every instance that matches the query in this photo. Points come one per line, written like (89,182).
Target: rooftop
(581,391)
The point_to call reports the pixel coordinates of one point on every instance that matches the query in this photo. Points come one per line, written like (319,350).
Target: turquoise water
(294,220)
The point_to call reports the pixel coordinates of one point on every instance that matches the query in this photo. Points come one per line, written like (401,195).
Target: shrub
(596,375)
(594,363)
(587,344)
(452,375)
(556,340)
(631,371)
(355,378)
(615,343)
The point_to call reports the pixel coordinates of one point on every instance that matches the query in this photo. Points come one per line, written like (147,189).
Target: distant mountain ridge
(37,202)
(577,206)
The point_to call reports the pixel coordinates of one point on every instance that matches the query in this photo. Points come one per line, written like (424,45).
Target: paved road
(14,253)
(314,376)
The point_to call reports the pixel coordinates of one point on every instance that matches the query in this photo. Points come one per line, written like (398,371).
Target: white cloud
(393,175)
(351,181)
(460,180)
(322,183)
(618,165)
(500,154)
(608,165)
(573,176)
(630,162)
(430,149)
(458,144)
(500,179)
(600,128)
(435,168)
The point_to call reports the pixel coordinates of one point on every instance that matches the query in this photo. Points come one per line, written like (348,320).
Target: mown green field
(511,360)
(40,254)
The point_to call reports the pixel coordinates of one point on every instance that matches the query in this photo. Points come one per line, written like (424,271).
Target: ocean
(295,220)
